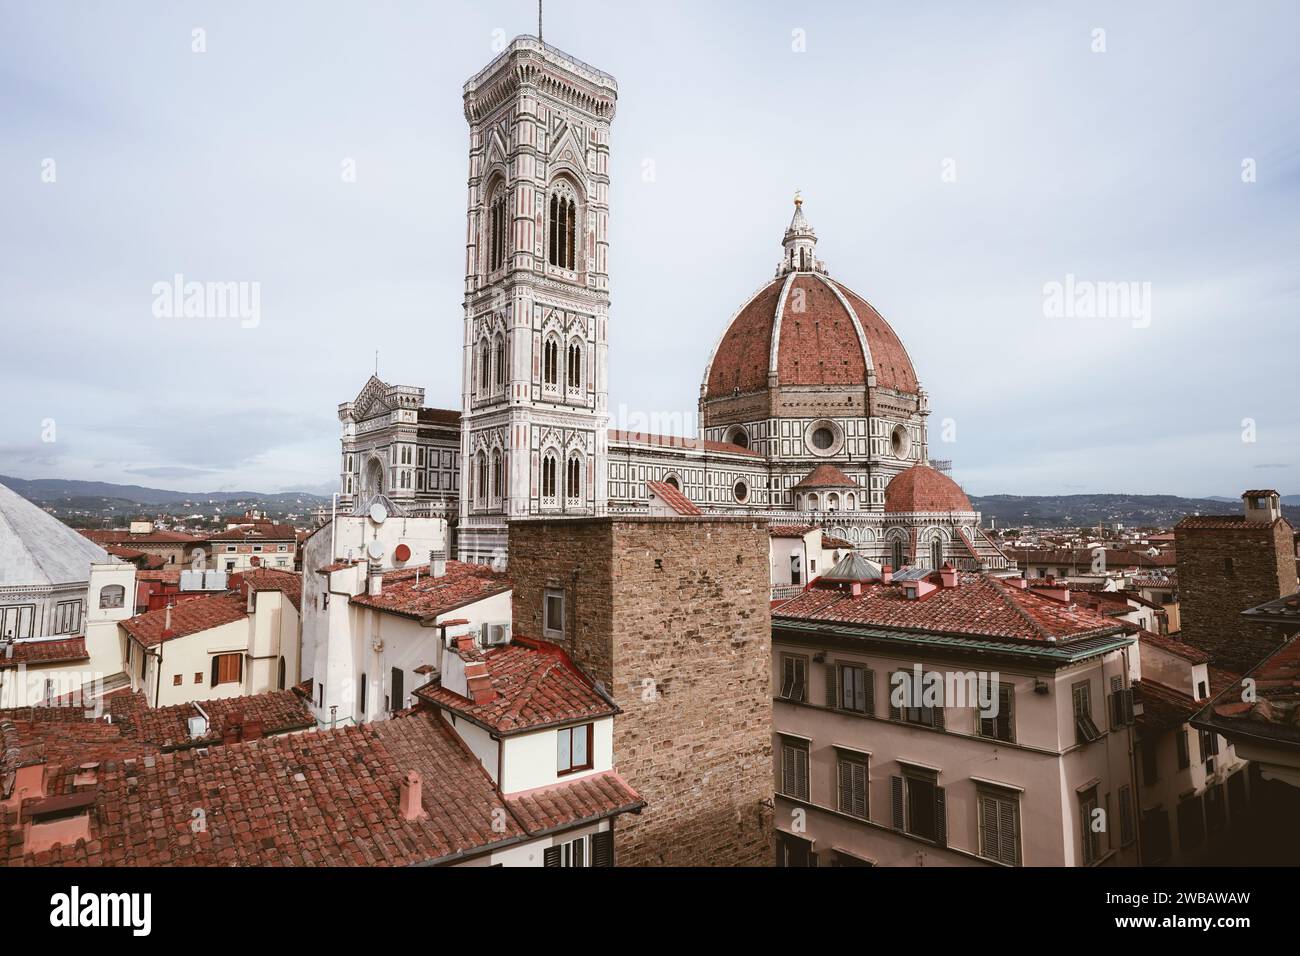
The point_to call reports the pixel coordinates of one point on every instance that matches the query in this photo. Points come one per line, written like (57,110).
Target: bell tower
(535,388)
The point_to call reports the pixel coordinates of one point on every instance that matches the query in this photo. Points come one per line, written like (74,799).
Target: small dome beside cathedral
(922,489)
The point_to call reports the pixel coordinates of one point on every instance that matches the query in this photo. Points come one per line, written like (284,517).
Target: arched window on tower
(551,362)
(573,479)
(496,473)
(484,366)
(897,556)
(936,553)
(575,366)
(481,478)
(562,229)
(497,231)
(548,475)
(499,360)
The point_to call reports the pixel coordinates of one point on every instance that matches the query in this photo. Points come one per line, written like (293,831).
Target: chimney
(1263,505)
(167,624)
(437,563)
(856,589)
(886,575)
(411,805)
(376,586)
(252,729)
(948,576)
(233,729)
(478,684)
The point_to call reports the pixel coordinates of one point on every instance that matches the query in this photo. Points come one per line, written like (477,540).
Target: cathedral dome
(804,328)
(921,488)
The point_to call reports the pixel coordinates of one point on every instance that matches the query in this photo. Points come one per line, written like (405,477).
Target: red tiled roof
(619,436)
(188,617)
(817,342)
(673,498)
(439,416)
(534,685)
(826,475)
(1275,711)
(123,536)
(1227,523)
(922,489)
(789,530)
(34,653)
(830,541)
(167,728)
(288,583)
(981,606)
(462,584)
(1164,707)
(1171,645)
(330,798)
(589,798)
(258,531)
(1259,493)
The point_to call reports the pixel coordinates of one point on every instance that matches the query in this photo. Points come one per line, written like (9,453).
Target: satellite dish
(374,550)
(378,513)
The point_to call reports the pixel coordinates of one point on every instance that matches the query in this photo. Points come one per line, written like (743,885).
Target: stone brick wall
(672,615)
(1212,597)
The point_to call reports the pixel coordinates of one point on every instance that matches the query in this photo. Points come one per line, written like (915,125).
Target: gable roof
(673,498)
(413,593)
(825,475)
(187,617)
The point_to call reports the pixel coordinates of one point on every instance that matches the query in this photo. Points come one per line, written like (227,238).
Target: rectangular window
(1209,744)
(851,782)
(919,806)
(1090,821)
(227,669)
(794,677)
(794,768)
(574,749)
(1002,726)
(1150,766)
(1126,816)
(999,820)
(67,617)
(1121,703)
(901,682)
(176,680)
(553,625)
(1085,730)
(1191,824)
(851,687)
(1184,751)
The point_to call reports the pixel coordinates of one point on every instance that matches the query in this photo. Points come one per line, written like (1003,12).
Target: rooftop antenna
(539,21)
(376,363)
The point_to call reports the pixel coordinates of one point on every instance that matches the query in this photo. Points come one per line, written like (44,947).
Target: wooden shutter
(578,846)
(216,670)
(1125,816)
(894,712)
(1128,705)
(551,856)
(801,772)
(896,797)
(938,717)
(602,848)
(832,686)
(869,679)
(397,690)
(989,827)
(1009,831)
(940,817)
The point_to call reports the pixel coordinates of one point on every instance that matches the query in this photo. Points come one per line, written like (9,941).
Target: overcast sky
(955,160)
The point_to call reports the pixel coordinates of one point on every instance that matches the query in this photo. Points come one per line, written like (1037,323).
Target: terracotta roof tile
(826,475)
(673,498)
(534,684)
(411,592)
(922,489)
(621,437)
(187,617)
(61,650)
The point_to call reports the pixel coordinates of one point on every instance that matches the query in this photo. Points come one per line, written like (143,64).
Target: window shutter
(832,686)
(869,677)
(551,856)
(938,717)
(602,848)
(216,673)
(894,712)
(1125,816)
(989,826)
(859,785)
(845,771)
(240,678)
(801,776)
(940,818)
(578,846)
(1008,831)
(1128,705)
(896,794)
(787,769)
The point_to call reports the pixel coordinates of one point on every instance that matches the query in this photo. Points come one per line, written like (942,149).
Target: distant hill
(93,502)
(1132,511)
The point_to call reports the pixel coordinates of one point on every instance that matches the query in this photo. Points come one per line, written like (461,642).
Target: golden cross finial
(798,197)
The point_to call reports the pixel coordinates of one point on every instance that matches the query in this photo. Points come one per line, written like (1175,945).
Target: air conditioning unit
(495,635)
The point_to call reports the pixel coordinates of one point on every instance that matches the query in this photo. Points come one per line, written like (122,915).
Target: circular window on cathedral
(741,491)
(823,438)
(737,435)
(900,442)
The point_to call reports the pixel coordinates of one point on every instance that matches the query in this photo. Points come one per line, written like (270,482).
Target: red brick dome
(809,330)
(921,488)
